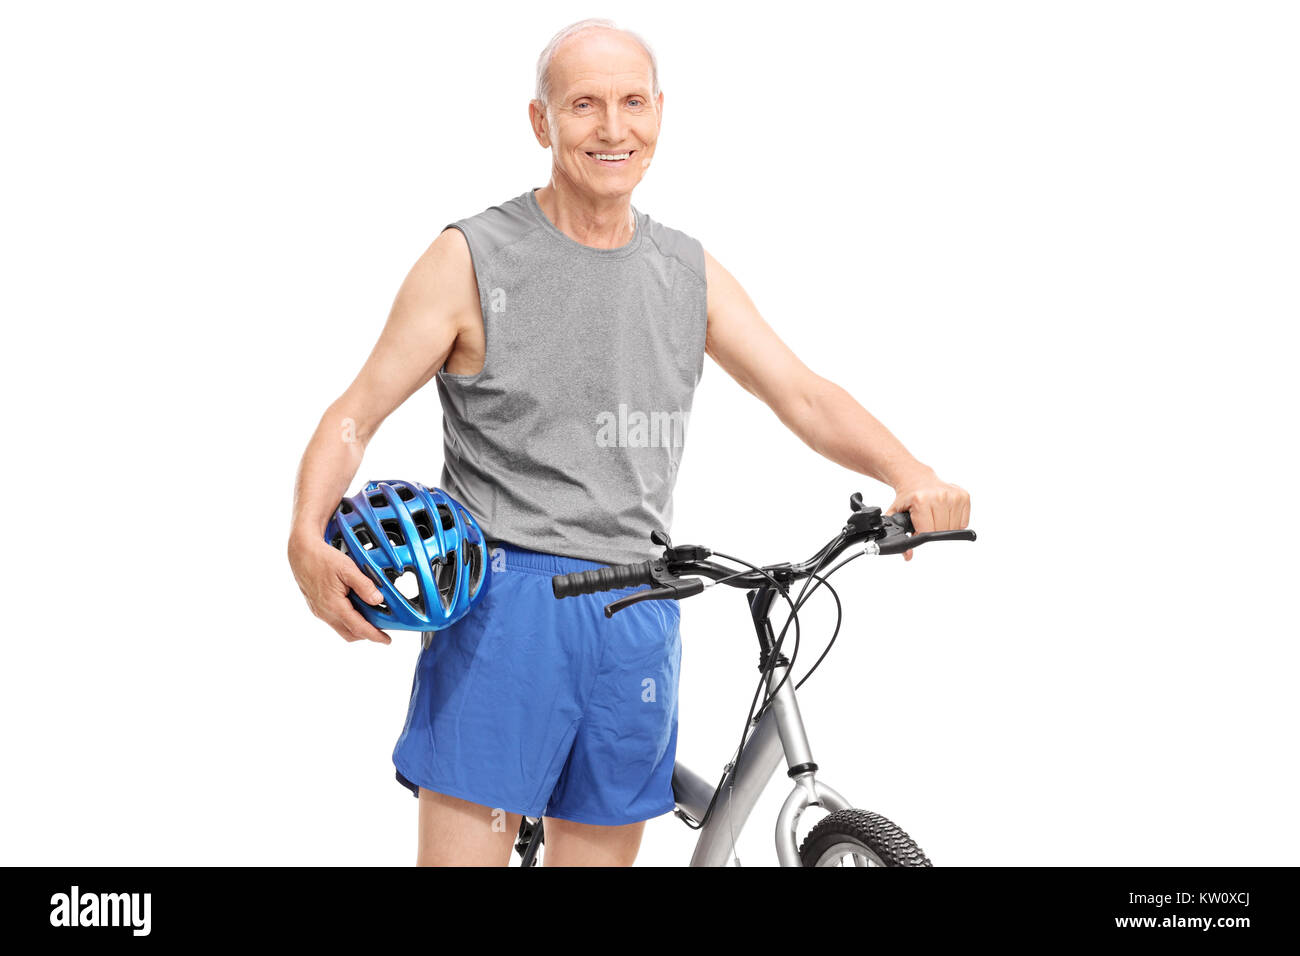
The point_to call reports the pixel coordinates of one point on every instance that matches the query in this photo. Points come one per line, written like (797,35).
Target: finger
(361,628)
(903,503)
(923,516)
(940,514)
(360,583)
(965,512)
(351,626)
(339,627)
(951,512)
(907,555)
(954,509)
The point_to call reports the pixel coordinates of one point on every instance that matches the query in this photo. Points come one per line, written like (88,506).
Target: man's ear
(537,119)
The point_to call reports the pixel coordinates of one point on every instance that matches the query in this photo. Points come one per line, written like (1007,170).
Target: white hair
(573,29)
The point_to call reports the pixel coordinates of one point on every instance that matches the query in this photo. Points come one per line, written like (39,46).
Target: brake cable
(733,767)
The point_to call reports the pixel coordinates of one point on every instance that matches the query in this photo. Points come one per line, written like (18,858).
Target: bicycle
(776,728)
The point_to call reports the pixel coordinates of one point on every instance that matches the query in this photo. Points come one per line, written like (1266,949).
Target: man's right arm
(437,300)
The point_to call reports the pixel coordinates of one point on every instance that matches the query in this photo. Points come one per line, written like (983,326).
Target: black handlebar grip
(601,579)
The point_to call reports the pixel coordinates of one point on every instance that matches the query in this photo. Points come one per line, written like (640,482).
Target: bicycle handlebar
(601,579)
(884,534)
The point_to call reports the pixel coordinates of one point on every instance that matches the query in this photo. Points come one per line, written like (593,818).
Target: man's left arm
(826,417)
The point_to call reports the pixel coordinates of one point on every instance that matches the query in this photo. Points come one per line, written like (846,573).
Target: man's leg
(455,832)
(586,844)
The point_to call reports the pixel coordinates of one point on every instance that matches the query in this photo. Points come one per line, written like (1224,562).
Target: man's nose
(612,125)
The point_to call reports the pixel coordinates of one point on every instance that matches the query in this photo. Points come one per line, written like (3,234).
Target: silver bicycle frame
(779,731)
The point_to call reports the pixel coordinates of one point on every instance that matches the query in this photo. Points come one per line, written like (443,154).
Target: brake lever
(897,544)
(671,591)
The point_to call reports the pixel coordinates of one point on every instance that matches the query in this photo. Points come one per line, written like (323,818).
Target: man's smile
(612,159)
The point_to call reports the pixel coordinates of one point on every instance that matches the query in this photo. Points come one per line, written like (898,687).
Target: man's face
(601,123)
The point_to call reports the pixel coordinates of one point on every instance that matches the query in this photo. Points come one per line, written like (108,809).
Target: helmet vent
(422,524)
(363,536)
(378,501)
(448,519)
(445,575)
(405,493)
(408,585)
(345,506)
(474,558)
(393,528)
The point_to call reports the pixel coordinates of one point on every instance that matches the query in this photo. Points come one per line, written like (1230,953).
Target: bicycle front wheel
(860,838)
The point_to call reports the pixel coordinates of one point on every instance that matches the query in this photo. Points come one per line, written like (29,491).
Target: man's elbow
(802,405)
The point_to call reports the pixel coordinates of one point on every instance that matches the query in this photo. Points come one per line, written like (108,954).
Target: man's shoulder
(497,226)
(675,244)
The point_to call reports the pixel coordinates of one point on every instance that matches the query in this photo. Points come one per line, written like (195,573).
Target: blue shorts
(542,706)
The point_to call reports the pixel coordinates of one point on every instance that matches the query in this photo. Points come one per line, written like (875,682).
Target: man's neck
(593,221)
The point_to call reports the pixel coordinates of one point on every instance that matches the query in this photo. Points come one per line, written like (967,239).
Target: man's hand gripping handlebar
(882,534)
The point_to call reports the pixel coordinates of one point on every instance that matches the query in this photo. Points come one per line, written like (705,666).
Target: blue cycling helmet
(423,550)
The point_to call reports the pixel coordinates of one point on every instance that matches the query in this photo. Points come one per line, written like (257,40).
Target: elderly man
(566,330)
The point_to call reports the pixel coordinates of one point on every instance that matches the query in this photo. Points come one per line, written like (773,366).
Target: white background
(1053,246)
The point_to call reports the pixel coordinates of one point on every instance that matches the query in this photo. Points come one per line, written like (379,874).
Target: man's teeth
(612,156)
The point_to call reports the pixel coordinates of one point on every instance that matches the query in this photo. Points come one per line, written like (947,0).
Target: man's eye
(635,103)
(581,106)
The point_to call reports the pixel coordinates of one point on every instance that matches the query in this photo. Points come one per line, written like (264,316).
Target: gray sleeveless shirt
(569,439)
